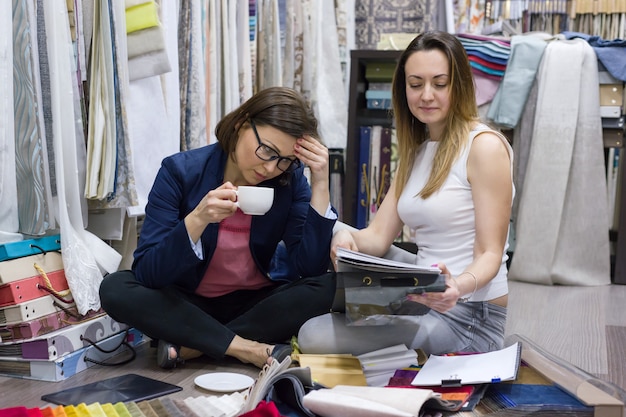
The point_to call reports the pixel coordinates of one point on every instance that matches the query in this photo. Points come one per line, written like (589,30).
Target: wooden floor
(585,326)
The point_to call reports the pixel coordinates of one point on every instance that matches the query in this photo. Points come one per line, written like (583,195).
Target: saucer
(223,381)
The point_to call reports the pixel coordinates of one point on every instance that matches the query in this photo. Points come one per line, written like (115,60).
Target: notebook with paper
(462,369)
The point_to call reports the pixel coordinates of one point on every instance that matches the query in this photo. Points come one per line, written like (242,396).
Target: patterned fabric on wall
(341,13)
(374,17)
(469,16)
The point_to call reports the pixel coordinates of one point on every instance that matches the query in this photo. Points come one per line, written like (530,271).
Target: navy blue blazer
(164,255)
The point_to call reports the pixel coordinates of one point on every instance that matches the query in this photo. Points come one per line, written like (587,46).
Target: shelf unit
(618,240)
(619,271)
(359,115)
(613,128)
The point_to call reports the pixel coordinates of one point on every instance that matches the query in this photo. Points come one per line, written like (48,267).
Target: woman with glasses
(209,279)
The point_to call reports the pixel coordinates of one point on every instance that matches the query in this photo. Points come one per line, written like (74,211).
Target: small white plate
(223,381)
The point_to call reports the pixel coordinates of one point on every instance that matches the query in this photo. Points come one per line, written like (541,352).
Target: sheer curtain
(9,222)
(85,256)
(293,43)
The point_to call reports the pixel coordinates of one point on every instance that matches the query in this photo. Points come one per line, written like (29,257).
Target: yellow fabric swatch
(142,16)
(122,409)
(331,370)
(70,411)
(83,411)
(95,409)
(109,410)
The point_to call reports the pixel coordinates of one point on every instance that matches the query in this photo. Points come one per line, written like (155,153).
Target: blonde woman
(454,189)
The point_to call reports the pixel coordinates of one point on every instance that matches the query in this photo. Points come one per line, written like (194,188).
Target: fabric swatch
(145,41)
(142,16)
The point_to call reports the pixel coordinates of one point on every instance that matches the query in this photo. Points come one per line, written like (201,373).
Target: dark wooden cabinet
(359,115)
(613,130)
(618,237)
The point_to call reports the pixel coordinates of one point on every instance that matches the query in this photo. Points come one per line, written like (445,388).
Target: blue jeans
(468,327)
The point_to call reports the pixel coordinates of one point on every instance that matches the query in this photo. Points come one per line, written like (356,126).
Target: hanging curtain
(154,113)
(84,255)
(213,69)
(293,62)
(231,52)
(567,148)
(244,57)
(110,181)
(101,134)
(191,67)
(345,42)
(31,158)
(231,57)
(328,100)
(9,221)
(269,56)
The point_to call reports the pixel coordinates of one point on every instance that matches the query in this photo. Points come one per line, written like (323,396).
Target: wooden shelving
(618,237)
(360,115)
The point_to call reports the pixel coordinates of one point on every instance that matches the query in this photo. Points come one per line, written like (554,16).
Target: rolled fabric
(349,401)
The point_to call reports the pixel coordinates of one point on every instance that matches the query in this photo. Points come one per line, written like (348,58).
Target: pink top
(232,267)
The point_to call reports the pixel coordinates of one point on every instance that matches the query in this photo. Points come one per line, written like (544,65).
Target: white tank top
(443,224)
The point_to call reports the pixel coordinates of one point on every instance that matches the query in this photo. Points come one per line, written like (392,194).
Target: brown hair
(411,133)
(279,107)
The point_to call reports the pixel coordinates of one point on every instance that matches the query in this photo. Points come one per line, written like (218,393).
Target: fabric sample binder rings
(31,310)
(34,287)
(24,267)
(13,250)
(61,342)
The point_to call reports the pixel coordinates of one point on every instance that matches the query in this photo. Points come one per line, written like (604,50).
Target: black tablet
(124,388)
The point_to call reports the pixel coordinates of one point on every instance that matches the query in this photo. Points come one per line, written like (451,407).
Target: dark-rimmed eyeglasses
(266,153)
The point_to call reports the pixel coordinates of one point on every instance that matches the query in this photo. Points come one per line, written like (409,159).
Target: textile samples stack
(147,55)
(488,58)
(42,334)
(375,148)
(379,76)
(377,159)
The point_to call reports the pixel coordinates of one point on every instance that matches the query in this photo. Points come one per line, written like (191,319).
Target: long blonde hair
(411,133)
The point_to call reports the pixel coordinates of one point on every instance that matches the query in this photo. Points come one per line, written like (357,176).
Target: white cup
(255,200)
